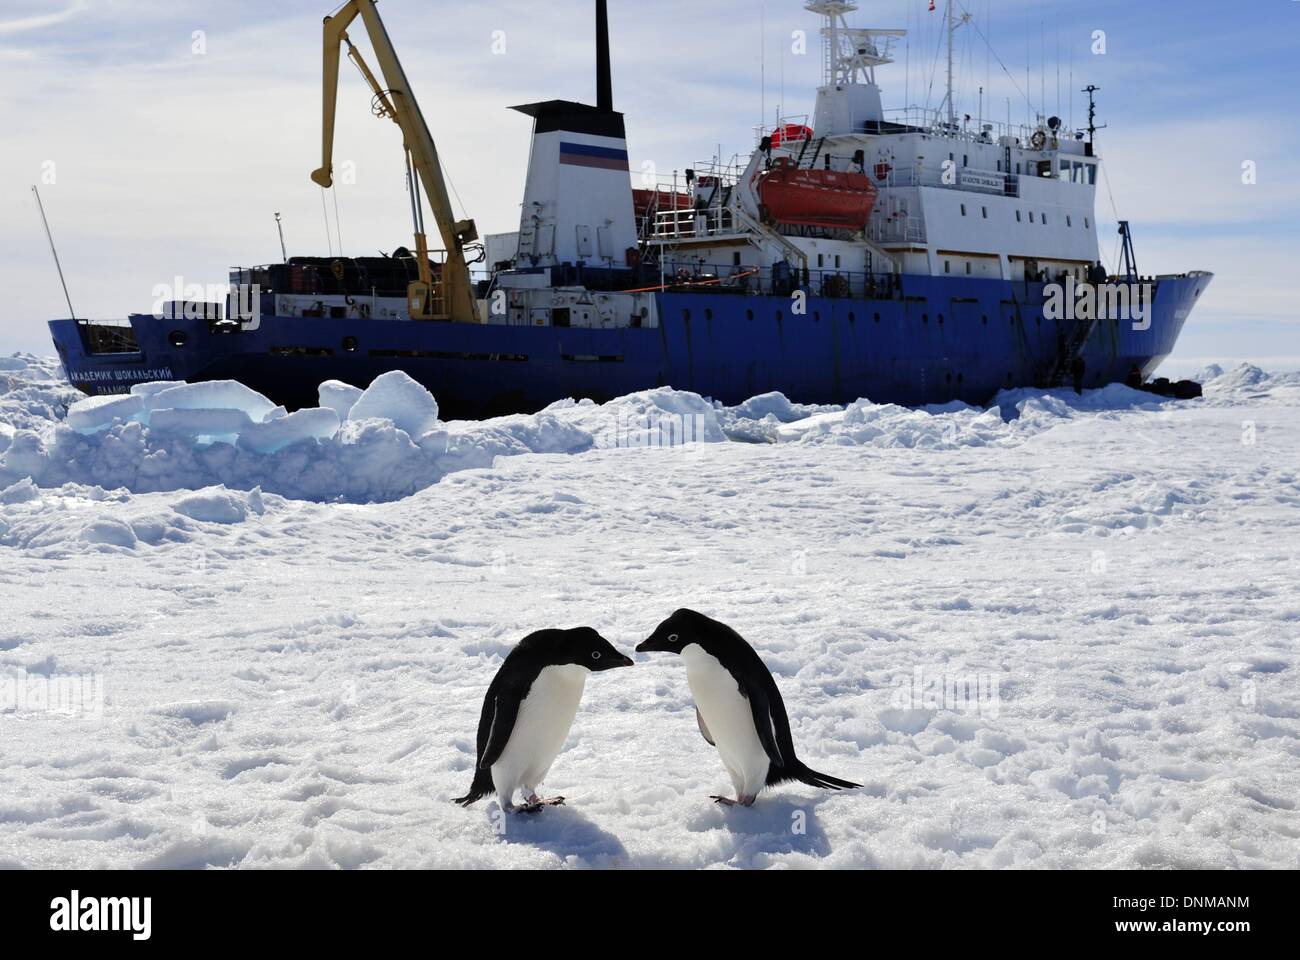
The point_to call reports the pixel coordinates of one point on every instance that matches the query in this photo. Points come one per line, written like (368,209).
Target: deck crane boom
(450,296)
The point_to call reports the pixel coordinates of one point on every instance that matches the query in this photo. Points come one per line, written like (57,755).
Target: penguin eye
(672,638)
(595,654)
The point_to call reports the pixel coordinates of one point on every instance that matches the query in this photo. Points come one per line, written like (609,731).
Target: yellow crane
(448,296)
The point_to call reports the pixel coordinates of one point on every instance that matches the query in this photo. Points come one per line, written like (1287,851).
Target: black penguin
(529,708)
(737,705)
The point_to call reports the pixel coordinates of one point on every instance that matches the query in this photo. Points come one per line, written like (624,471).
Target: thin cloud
(24,24)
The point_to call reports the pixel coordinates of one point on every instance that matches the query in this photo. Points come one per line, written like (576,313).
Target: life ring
(1038,140)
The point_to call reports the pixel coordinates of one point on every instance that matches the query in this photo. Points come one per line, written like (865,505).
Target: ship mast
(849,55)
(952,115)
(952,23)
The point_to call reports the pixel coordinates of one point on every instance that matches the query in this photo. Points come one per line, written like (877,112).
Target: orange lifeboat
(643,201)
(816,198)
(791,133)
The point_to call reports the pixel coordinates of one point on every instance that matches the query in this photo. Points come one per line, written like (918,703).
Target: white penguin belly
(541,727)
(730,721)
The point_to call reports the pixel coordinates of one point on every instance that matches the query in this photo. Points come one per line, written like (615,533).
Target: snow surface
(282,641)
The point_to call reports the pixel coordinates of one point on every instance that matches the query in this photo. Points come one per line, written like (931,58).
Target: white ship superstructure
(955,195)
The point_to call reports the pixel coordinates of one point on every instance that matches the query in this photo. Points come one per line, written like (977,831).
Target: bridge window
(963,209)
(985,211)
(1018,217)
(1031,216)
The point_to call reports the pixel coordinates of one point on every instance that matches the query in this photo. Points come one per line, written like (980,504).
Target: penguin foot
(738,802)
(534,804)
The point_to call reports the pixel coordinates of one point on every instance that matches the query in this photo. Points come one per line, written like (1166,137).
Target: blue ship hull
(944,339)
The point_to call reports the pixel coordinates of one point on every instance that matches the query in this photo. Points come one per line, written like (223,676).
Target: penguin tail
(802,773)
(479,789)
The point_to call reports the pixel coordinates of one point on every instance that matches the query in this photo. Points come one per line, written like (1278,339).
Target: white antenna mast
(279,226)
(952,113)
(952,24)
(72,314)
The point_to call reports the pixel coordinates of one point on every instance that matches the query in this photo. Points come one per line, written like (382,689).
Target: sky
(165,134)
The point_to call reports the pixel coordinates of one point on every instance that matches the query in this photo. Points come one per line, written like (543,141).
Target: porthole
(177,338)
(349,344)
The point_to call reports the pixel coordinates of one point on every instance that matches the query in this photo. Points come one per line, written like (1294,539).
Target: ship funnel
(578,208)
(604,77)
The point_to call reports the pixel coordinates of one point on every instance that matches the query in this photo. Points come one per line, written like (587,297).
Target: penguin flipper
(699,720)
(500,708)
(501,723)
(767,726)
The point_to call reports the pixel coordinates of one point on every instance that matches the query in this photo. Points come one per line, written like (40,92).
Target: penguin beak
(626,661)
(649,645)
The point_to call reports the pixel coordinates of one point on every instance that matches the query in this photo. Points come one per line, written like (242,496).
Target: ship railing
(778,131)
(934,123)
(996,183)
(107,337)
(728,172)
(895,228)
(688,222)
(684,275)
